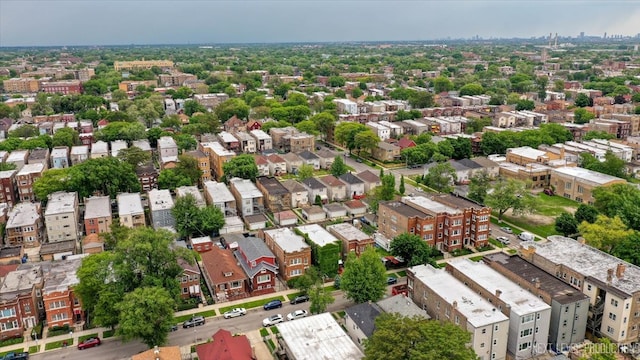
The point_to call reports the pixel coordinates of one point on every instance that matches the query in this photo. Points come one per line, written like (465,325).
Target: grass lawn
(34,349)
(512,252)
(341,314)
(496,243)
(8,342)
(250,304)
(264,332)
(393,275)
(107,334)
(381,251)
(554,205)
(330,288)
(476,258)
(541,230)
(402,273)
(2,354)
(58,344)
(274,330)
(272,346)
(84,337)
(183,318)
(461,252)
(368,229)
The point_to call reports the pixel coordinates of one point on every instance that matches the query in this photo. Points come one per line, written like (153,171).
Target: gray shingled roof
(313,183)
(308,155)
(254,248)
(349,178)
(364,315)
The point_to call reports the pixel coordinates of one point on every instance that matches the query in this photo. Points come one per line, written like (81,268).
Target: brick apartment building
(66,87)
(20,301)
(292,253)
(25,179)
(8,188)
(97,215)
(24,225)
(62,306)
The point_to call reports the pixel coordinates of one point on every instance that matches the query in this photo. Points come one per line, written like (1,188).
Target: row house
(380,130)
(60,157)
(446,298)
(130,210)
(353,239)
(370,179)
(62,217)
(100,149)
(117,146)
(277,165)
(21,304)
(336,189)
(246,141)
(79,154)
(355,186)
(316,190)
(395,129)
(529,316)
(612,285)
(97,215)
(248,197)
(311,159)
(263,140)
(263,165)
(167,150)
(299,195)
(147,176)
(327,157)
(160,207)
(204,164)
(569,307)
(142,144)
(223,275)
(61,305)
(8,187)
(218,195)
(18,158)
(258,263)
(25,179)
(183,191)
(292,253)
(293,161)
(39,156)
(276,197)
(24,226)
(228,141)
(218,156)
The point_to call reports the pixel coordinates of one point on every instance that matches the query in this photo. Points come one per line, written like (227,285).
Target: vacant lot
(542,220)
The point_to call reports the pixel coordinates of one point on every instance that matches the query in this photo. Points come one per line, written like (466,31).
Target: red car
(89,343)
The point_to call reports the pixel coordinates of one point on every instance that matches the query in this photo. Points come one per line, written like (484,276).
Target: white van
(526,236)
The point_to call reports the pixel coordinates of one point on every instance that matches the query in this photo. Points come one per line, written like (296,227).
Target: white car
(297,314)
(503,239)
(235,313)
(272,320)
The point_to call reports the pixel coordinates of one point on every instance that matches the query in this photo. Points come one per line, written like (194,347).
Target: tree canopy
(510,195)
(194,221)
(242,166)
(413,250)
(365,277)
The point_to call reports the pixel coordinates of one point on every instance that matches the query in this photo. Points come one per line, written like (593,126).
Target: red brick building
(190,280)
(20,301)
(60,303)
(224,277)
(62,87)
(8,188)
(259,263)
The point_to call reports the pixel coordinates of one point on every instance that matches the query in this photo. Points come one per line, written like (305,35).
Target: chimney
(455,304)
(620,270)
(537,281)
(498,293)
(609,275)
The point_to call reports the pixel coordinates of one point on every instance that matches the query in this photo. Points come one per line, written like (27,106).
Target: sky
(126,22)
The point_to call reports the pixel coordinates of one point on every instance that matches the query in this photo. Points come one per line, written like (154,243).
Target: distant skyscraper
(582,34)
(605,36)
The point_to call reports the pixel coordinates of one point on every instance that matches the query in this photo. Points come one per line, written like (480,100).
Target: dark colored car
(89,343)
(173,328)
(194,321)
(15,356)
(300,299)
(274,304)
(392,280)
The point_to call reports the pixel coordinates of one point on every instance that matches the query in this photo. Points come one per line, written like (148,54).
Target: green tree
(510,195)
(171,179)
(586,213)
(345,133)
(338,167)
(413,250)
(525,105)
(364,278)
(325,123)
(420,99)
(24,131)
(65,137)
(619,200)
(95,278)
(401,188)
(582,116)
(479,186)
(171,121)
(146,314)
(231,107)
(442,84)
(603,349)
(398,337)
(120,130)
(566,224)
(242,166)
(134,156)
(387,190)
(305,171)
(307,126)
(472,89)
(191,107)
(319,297)
(51,181)
(582,100)
(597,134)
(106,176)
(194,221)
(366,141)
(7,166)
(441,177)
(185,142)
(628,249)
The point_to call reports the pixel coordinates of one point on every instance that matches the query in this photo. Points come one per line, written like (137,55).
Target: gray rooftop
(253,248)
(80,150)
(427,204)
(23,214)
(99,147)
(61,202)
(401,304)
(349,178)
(18,281)
(348,231)
(317,234)
(589,262)
(293,186)
(308,155)
(160,200)
(521,301)
(364,316)
(219,192)
(478,311)
(526,151)
(31,169)
(287,240)
(193,191)
(318,337)
(59,152)
(61,276)
(587,175)
(129,204)
(97,207)
(246,188)
(167,142)
(313,183)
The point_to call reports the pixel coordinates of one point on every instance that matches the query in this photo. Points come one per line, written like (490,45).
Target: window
(614,302)
(9,325)
(11,312)
(484,218)
(59,317)
(295,272)
(185,290)
(27,308)
(264,278)
(457,222)
(495,342)
(484,331)
(626,306)
(567,185)
(495,328)
(427,227)
(526,332)
(589,287)
(527,318)
(236,284)
(609,329)
(524,346)
(612,316)
(57,304)
(295,261)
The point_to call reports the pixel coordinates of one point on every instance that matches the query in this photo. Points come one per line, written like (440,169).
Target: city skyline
(116,22)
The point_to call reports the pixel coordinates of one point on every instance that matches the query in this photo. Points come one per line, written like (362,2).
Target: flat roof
(478,311)
(167,142)
(61,202)
(62,275)
(588,175)
(246,188)
(429,204)
(318,234)
(527,152)
(520,300)
(227,137)
(31,169)
(287,240)
(589,261)
(97,206)
(348,231)
(129,203)
(17,155)
(219,192)
(260,135)
(99,147)
(318,337)
(160,200)
(193,191)
(218,149)
(80,150)
(403,305)
(272,185)
(22,214)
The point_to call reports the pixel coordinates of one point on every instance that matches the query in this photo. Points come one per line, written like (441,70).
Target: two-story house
(277,165)
(353,239)
(60,157)
(336,189)
(97,215)
(355,186)
(248,197)
(263,140)
(218,195)
(259,263)
(79,154)
(246,141)
(223,275)
(292,253)
(263,165)
(62,217)
(293,161)
(276,197)
(130,210)
(160,207)
(310,158)
(299,195)
(316,189)
(189,280)
(24,226)
(371,180)
(99,149)
(167,149)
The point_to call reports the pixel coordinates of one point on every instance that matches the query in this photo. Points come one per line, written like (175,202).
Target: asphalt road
(114,349)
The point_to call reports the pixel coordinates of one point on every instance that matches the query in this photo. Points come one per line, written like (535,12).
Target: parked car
(194,321)
(359,160)
(298,314)
(300,299)
(548,192)
(526,236)
(15,356)
(235,313)
(173,328)
(503,239)
(89,343)
(273,304)
(272,320)
(392,280)
(507,229)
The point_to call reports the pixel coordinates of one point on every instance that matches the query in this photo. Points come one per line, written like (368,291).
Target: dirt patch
(535,219)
